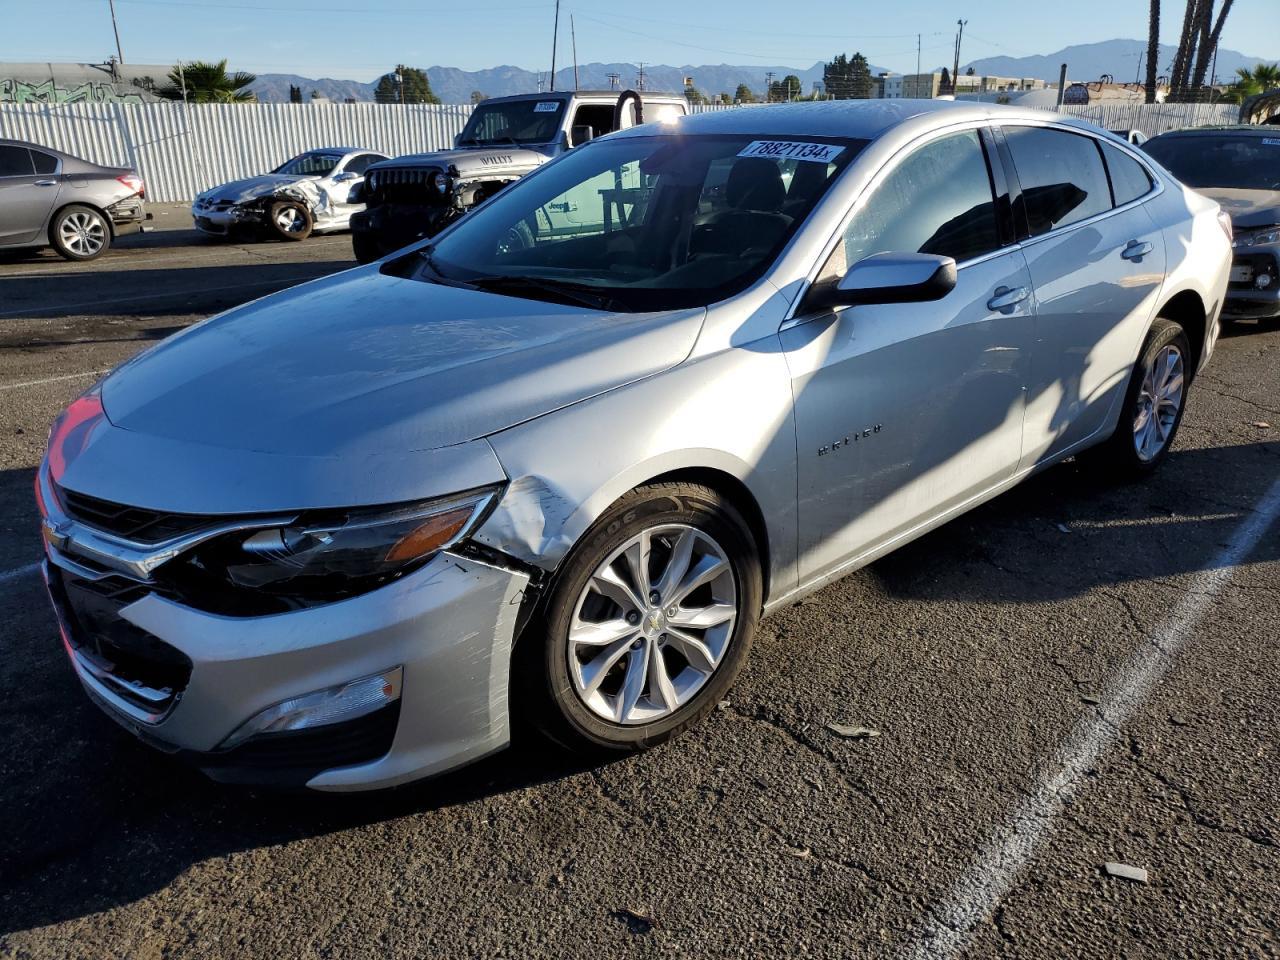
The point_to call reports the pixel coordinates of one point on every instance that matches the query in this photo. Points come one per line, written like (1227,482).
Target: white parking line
(20,572)
(983,888)
(67,376)
(32,311)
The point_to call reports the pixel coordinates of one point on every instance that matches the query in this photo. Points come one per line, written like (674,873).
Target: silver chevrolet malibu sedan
(551,467)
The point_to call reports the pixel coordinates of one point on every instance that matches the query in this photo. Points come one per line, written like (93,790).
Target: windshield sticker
(792,150)
(546,106)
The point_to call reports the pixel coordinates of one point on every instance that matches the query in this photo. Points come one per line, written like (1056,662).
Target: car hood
(365,365)
(472,161)
(1248,208)
(238,191)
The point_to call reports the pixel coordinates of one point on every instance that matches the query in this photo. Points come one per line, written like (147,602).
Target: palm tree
(1153,50)
(200,82)
(1249,83)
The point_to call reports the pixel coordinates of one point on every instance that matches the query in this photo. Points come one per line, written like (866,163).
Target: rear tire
(613,665)
(1154,402)
(78,232)
(289,220)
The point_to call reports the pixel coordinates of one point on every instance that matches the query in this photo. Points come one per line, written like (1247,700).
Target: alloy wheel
(289,219)
(652,624)
(83,233)
(1160,401)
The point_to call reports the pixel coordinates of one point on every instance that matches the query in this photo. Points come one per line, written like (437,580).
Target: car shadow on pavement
(1070,529)
(93,819)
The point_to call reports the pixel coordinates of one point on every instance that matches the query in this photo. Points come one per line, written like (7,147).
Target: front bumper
(216,223)
(450,625)
(1245,298)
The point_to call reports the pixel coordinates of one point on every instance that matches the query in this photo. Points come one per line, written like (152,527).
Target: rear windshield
(1227,161)
(310,165)
(642,223)
(520,121)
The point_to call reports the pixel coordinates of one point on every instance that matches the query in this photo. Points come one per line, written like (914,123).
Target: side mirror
(580,134)
(888,278)
(346,176)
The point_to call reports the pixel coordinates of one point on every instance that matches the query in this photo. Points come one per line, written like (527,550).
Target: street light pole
(116,28)
(555,34)
(955,70)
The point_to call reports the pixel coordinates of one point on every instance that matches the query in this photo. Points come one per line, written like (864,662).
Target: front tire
(1153,405)
(365,248)
(289,220)
(80,233)
(647,624)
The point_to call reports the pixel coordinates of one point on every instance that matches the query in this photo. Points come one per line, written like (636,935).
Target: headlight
(1269,236)
(329,555)
(441,182)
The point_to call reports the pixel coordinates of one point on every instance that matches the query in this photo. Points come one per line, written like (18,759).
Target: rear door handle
(46,183)
(1006,297)
(1136,250)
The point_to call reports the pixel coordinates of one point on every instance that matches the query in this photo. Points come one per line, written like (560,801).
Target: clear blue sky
(359,39)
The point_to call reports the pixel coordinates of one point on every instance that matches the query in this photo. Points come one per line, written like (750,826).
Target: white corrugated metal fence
(181,149)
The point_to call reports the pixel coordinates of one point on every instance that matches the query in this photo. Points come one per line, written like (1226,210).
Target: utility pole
(573,35)
(640,77)
(555,34)
(955,71)
(613,80)
(116,28)
(768,86)
(916,86)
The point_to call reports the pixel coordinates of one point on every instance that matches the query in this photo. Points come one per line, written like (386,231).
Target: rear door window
(1062,176)
(15,162)
(1129,178)
(44,162)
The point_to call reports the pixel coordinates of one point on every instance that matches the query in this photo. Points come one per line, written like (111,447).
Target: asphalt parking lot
(1072,675)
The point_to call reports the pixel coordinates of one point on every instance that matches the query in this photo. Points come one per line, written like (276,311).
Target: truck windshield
(517,121)
(1226,161)
(641,223)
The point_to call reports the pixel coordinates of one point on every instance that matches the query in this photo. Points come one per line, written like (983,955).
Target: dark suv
(52,199)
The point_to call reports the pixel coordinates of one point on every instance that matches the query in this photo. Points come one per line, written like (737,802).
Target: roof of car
(567,94)
(859,119)
(1246,128)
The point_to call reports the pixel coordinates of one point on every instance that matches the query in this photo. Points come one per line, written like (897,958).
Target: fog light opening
(346,701)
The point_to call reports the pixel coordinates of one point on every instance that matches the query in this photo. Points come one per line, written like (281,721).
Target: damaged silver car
(315,192)
(364,530)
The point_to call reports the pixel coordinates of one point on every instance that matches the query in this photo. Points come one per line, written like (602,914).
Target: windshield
(1228,162)
(518,121)
(642,223)
(310,165)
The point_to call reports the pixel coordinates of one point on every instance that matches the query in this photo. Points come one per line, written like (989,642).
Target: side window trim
(1000,189)
(1153,182)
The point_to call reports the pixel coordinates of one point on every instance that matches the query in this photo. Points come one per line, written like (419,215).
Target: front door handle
(1136,249)
(1006,297)
(46,183)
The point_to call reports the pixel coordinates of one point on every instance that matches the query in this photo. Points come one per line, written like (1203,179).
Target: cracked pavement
(974,652)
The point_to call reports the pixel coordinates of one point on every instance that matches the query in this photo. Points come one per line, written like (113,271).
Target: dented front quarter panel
(727,409)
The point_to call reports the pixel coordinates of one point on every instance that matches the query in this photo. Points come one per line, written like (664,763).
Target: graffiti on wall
(14,90)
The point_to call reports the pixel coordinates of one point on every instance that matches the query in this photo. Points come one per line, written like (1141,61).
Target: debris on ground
(1089,699)
(800,853)
(1262,425)
(1177,719)
(636,922)
(723,705)
(852,733)
(1125,871)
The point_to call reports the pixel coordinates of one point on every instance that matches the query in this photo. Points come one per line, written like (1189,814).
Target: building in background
(108,82)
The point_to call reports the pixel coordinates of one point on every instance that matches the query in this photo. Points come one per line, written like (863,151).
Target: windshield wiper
(562,290)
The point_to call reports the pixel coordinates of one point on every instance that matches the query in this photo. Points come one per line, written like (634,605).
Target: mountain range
(452,85)
(1089,61)
(1120,58)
